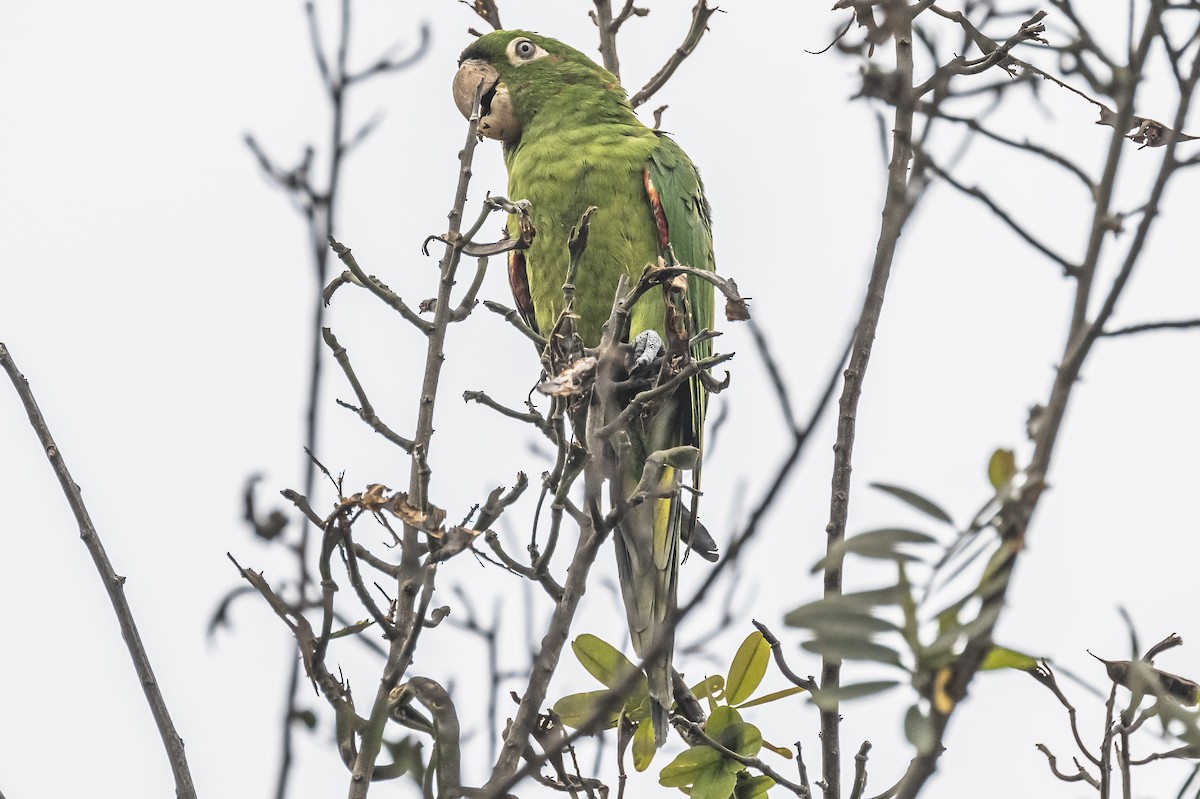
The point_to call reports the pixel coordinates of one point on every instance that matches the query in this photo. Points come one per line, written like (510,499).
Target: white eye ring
(521,51)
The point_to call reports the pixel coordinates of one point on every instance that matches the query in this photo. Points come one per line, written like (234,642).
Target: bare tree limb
(701,13)
(114,584)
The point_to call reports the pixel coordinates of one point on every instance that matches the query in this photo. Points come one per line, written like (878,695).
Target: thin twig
(1145,327)
(896,209)
(114,584)
(700,16)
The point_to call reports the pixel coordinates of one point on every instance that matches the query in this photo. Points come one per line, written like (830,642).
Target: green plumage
(574,143)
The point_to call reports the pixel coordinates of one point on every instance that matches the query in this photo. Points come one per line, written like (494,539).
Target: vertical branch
(1082,333)
(896,209)
(603,18)
(319,207)
(319,213)
(415,579)
(114,584)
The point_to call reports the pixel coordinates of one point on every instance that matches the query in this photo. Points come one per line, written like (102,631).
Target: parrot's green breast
(562,172)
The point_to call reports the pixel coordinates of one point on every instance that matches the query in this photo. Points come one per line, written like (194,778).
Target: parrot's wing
(518,280)
(680,193)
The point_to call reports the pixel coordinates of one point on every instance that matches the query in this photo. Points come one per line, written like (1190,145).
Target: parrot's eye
(522,51)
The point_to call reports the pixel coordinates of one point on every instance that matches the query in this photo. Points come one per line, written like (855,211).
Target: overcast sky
(156,292)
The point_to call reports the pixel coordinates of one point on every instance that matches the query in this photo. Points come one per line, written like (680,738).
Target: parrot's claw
(646,347)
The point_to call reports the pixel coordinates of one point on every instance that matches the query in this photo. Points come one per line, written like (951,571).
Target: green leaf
(687,766)
(747,669)
(644,745)
(576,709)
(826,700)
(762,700)
(604,662)
(918,729)
(306,717)
(741,737)
(999,657)
(782,751)
(1001,468)
(719,719)
(753,787)
(854,649)
(893,595)
(915,500)
(836,615)
(357,627)
(712,687)
(715,782)
(881,544)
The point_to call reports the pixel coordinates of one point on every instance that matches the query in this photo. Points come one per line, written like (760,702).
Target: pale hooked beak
(497,118)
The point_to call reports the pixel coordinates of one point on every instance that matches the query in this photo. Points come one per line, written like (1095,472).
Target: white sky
(156,293)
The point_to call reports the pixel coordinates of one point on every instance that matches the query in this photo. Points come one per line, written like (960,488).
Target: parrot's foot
(646,347)
(701,542)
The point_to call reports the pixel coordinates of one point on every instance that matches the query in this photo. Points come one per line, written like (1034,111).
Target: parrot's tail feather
(660,718)
(647,547)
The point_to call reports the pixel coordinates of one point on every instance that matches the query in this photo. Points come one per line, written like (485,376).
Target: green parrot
(571,141)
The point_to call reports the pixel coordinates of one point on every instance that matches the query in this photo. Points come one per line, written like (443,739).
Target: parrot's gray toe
(646,347)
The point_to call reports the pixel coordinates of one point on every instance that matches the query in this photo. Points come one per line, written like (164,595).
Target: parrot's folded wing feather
(689,222)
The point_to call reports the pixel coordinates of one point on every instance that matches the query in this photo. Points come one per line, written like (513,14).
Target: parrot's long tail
(647,546)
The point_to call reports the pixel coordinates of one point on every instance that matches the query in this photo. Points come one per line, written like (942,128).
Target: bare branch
(1069,268)
(114,584)
(366,411)
(487,11)
(700,16)
(1081,774)
(1145,327)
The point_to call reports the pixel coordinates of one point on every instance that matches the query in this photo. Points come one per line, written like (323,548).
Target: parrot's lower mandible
(571,141)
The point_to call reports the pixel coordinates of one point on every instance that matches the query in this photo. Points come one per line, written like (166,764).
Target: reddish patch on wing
(518,280)
(660,216)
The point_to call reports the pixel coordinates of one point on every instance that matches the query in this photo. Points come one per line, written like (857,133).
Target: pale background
(156,291)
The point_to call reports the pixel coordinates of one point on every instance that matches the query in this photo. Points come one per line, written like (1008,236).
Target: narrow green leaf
(915,500)
(854,649)
(881,544)
(1001,468)
(892,595)
(576,709)
(826,700)
(747,669)
(687,766)
(885,538)
(782,751)
(602,660)
(762,700)
(644,745)
(836,615)
(357,627)
(999,657)
(919,730)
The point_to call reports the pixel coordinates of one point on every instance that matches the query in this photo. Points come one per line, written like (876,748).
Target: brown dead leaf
(571,381)
(454,541)
(404,510)
(736,309)
(1146,132)
(373,499)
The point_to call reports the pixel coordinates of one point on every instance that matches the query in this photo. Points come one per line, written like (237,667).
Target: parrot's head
(522,73)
